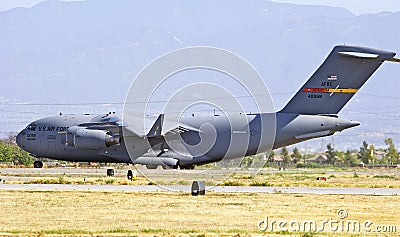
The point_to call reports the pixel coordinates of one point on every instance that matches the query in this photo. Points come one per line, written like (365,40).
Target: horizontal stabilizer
(396,60)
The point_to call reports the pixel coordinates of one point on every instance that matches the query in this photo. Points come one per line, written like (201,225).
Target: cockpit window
(31,127)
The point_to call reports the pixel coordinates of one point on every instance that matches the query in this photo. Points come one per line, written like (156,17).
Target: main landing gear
(129,175)
(38,164)
(110,172)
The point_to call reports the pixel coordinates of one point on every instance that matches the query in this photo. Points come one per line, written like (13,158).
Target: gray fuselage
(48,137)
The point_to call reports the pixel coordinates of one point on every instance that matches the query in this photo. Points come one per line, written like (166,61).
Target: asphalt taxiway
(15,175)
(218,189)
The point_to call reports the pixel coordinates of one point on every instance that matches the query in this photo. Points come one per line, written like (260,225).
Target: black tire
(129,175)
(110,172)
(38,164)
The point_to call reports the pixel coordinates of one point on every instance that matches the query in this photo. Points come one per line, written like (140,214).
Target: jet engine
(91,139)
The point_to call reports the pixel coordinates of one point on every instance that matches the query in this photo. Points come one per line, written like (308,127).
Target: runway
(217,189)
(12,178)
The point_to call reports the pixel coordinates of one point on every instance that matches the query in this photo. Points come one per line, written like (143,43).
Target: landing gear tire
(110,172)
(38,164)
(129,175)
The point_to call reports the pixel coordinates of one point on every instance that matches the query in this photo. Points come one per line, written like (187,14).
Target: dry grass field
(355,178)
(97,213)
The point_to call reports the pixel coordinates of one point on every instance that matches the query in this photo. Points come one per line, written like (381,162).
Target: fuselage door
(52,147)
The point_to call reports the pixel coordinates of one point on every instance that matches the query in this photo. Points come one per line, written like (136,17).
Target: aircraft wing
(158,140)
(102,122)
(158,128)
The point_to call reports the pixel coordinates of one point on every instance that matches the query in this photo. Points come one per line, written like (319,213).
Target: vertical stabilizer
(336,81)
(156,129)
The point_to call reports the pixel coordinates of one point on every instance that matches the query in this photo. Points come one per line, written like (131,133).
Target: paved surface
(25,174)
(184,188)
(102,171)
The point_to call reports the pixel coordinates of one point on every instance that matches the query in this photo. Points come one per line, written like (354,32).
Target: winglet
(156,129)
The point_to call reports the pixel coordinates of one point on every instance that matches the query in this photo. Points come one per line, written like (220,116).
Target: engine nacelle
(88,139)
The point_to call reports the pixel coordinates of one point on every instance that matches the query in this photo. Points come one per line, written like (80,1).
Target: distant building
(379,155)
(318,158)
(278,158)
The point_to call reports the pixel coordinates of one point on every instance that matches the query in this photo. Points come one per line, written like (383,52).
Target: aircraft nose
(18,139)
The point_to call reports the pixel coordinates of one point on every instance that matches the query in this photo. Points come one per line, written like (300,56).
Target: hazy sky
(355,6)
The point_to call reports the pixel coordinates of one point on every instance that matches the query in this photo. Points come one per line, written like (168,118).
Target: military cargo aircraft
(311,113)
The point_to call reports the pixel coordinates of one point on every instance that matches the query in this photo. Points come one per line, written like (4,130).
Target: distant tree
(350,159)
(364,154)
(10,138)
(339,158)
(330,154)
(285,155)
(247,161)
(391,154)
(259,160)
(271,156)
(296,156)
(371,155)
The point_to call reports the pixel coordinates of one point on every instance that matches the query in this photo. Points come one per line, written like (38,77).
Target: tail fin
(336,81)
(156,129)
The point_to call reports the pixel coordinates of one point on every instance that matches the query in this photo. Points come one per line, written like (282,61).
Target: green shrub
(231,183)
(110,181)
(264,184)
